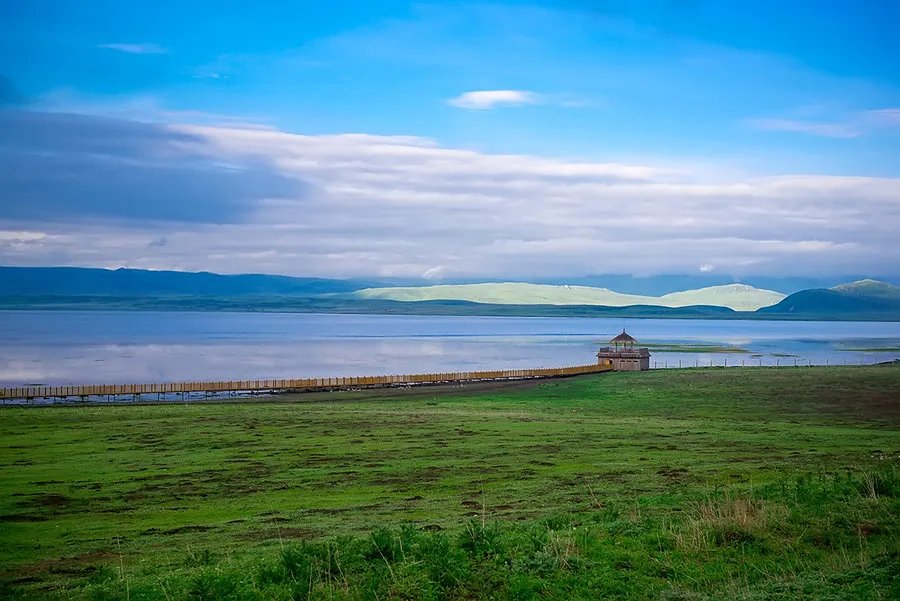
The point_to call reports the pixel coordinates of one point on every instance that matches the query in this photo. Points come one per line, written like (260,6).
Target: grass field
(683,484)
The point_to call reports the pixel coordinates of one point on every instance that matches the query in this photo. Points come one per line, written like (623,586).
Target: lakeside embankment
(178,391)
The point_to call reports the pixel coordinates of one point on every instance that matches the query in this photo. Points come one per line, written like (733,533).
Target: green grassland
(693,348)
(691,484)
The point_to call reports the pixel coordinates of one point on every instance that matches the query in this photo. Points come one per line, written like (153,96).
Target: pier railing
(781,361)
(291,385)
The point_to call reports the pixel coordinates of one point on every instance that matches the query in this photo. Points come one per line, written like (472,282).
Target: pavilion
(624,355)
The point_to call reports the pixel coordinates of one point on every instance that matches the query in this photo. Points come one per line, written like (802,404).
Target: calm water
(123,347)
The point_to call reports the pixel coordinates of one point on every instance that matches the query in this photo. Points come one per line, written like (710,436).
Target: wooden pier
(284,385)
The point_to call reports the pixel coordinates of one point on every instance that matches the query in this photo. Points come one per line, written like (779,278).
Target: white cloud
(21,236)
(889,116)
(813,128)
(434,273)
(135,48)
(407,206)
(850,125)
(487,99)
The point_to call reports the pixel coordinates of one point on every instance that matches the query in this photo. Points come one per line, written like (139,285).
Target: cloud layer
(86,191)
(57,167)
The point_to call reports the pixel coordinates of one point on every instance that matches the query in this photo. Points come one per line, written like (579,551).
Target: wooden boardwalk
(296,385)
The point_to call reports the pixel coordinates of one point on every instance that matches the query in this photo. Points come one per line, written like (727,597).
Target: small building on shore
(624,354)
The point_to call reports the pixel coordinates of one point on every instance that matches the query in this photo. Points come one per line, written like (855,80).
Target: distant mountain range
(76,281)
(134,289)
(869,298)
(739,297)
(659,285)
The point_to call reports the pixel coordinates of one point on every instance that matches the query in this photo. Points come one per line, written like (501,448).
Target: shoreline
(576,314)
(385,392)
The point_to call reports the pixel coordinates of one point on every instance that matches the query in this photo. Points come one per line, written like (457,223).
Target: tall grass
(822,536)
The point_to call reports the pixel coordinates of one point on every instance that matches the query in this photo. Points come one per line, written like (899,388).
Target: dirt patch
(615,476)
(428,474)
(673,475)
(313,460)
(84,563)
(23,518)
(50,501)
(545,448)
(186,529)
(281,534)
(340,510)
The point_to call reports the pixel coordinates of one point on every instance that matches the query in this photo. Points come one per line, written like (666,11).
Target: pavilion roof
(623,337)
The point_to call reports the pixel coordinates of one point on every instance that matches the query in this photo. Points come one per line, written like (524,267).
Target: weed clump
(739,521)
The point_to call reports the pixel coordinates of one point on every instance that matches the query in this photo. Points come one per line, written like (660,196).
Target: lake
(110,347)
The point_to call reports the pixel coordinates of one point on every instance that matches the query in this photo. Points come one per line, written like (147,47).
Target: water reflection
(122,347)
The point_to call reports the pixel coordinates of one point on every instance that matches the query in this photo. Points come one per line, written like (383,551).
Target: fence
(290,385)
(769,361)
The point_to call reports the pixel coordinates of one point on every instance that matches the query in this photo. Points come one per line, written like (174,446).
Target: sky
(448,140)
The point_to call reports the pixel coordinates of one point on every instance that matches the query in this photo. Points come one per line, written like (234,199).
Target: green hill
(734,296)
(78,281)
(739,297)
(864,299)
(869,288)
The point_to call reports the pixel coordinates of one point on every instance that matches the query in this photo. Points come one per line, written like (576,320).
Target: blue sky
(738,137)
